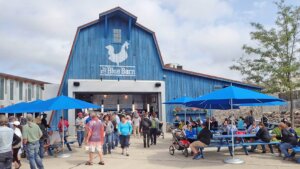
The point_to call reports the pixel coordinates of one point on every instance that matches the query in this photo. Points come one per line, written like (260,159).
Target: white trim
(114,86)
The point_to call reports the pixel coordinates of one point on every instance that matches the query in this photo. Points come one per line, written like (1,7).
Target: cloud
(204,36)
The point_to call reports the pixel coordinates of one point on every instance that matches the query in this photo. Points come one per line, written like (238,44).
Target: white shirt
(6,139)
(136,121)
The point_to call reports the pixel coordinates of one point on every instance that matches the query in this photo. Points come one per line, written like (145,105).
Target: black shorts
(124,141)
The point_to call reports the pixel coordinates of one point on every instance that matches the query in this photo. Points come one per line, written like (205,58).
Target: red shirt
(61,125)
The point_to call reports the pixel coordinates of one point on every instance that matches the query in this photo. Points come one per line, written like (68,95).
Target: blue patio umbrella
(22,107)
(234,96)
(63,103)
(181,101)
(12,108)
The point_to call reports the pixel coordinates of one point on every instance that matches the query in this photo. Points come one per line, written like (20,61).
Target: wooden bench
(270,144)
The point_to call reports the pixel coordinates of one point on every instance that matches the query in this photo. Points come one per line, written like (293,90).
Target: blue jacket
(125,129)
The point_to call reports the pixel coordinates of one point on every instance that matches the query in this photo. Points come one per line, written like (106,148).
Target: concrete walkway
(158,157)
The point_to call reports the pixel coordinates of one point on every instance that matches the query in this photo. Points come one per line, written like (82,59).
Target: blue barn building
(116,62)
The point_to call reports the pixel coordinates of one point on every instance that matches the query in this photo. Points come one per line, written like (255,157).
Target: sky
(204,36)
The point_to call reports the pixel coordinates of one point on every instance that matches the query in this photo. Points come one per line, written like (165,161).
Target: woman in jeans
(109,129)
(124,129)
(288,141)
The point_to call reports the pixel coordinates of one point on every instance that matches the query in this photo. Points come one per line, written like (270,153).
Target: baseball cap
(16,123)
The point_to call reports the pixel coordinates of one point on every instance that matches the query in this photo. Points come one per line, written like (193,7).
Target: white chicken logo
(118,57)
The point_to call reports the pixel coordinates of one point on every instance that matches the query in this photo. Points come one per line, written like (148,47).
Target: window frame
(117,35)
(2,88)
(11,89)
(21,86)
(29,92)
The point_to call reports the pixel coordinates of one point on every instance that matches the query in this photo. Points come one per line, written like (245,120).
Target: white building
(15,89)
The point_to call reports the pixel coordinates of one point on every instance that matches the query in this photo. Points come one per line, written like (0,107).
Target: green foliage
(273,62)
(297,131)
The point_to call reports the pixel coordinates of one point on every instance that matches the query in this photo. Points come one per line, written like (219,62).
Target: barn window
(2,88)
(117,35)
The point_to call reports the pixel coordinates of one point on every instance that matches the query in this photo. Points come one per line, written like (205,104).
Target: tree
(273,62)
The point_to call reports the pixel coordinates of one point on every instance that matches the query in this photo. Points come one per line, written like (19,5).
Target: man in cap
(80,128)
(31,136)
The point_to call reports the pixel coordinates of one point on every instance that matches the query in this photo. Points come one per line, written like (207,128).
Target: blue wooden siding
(89,53)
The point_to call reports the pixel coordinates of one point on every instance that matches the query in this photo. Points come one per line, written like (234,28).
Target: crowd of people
(99,133)
(247,125)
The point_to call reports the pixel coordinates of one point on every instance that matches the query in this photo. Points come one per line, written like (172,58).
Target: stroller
(179,143)
(160,131)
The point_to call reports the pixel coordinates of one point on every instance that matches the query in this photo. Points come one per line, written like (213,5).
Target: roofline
(116,9)
(211,77)
(24,79)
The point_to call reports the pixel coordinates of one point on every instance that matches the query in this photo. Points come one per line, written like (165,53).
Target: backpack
(44,131)
(145,123)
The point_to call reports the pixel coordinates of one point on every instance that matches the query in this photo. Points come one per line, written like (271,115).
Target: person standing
(115,121)
(44,137)
(63,126)
(80,128)
(6,142)
(44,121)
(16,148)
(154,127)
(145,129)
(136,124)
(95,138)
(124,129)
(31,136)
(265,120)
(214,124)
(109,130)
(249,119)
(176,122)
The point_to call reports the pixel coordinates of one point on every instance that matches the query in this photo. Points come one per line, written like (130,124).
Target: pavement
(158,157)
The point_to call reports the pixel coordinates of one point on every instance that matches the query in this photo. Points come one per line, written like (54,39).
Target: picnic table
(239,140)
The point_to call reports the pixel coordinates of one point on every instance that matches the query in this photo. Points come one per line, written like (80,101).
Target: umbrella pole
(233,160)
(63,155)
(209,117)
(185,115)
